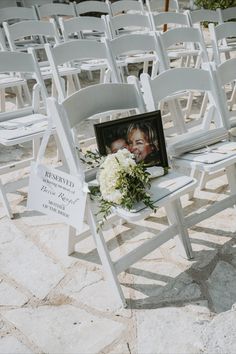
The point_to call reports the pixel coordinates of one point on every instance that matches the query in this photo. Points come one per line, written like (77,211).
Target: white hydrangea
(109,173)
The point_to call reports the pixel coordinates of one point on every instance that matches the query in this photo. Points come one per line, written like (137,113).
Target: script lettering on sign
(57,193)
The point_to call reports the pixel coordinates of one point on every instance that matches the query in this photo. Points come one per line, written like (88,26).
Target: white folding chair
(130,49)
(211,159)
(221,40)
(81,51)
(187,46)
(31,33)
(72,111)
(92,6)
(179,43)
(87,27)
(128,23)
(25,123)
(159,5)
(11,82)
(199,17)
(124,6)
(225,75)
(43,31)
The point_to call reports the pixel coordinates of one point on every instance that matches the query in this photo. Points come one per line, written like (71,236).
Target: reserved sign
(57,193)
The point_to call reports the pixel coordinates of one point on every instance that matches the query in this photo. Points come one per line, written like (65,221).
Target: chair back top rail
(169,18)
(48,10)
(132,43)
(203,15)
(159,5)
(92,6)
(30,28)
(227,14)
(118,7)
(17,13)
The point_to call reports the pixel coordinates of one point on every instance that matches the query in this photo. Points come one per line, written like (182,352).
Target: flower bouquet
(122,183)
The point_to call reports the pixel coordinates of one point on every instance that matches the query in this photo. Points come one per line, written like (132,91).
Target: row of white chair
(119,47)
(43,10)
(78,50)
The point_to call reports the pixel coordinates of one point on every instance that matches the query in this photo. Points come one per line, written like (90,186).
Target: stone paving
(54,303)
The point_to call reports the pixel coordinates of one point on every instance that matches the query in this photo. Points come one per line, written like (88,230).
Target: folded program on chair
(196,140)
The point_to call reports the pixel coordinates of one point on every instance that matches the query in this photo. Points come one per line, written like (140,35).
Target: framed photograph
(141,134)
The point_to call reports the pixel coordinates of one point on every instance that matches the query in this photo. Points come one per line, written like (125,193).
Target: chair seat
(9,81)
(209,159)
(163,190)
(227,48)
(179,53)
(23,128)
(137,58)
(93,64)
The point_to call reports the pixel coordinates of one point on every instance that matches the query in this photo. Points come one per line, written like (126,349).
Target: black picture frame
(134,133)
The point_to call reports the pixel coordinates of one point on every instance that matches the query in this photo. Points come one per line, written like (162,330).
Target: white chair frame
(24,120)
(65,117)
(195,79)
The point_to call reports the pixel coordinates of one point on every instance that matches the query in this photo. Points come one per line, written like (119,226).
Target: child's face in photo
(118,144)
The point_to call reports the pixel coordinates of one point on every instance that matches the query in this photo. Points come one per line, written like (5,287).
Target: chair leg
(70,85)
(5,201)
(2,100)
(203,106)
(177,116)
(176,216)
(72,240)
(36,146)
(231,175)
(232,98)
(105,258)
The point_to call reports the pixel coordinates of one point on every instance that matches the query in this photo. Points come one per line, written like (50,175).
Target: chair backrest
(124,6)
(177,80)
(160,5)
(17,14)
(24,29)
(55,10)
(128,23)
(169,18)
(225,73)
(29,3)
(227,14)
(80,26)
(221,32)
(130,44)
(22,63)
(203,15)
(77,50)
(112,97)
(92,6)
(180,35)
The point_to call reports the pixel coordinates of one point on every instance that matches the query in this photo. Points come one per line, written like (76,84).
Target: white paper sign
(57,193)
